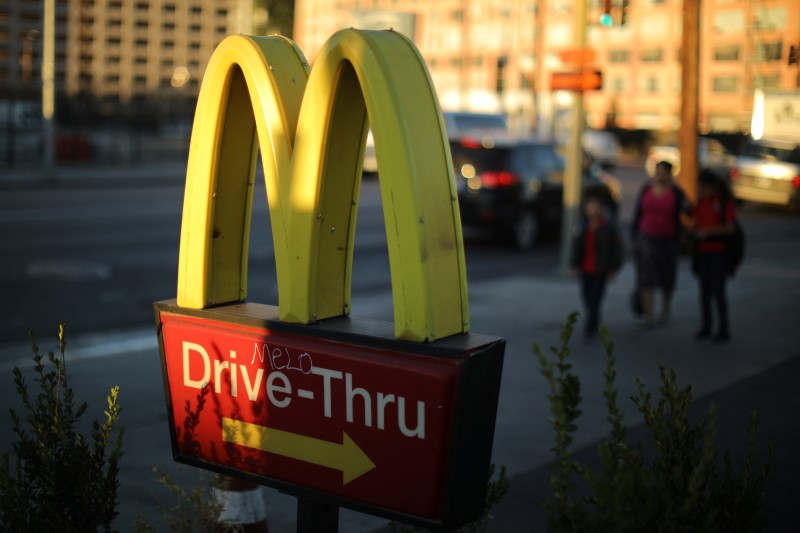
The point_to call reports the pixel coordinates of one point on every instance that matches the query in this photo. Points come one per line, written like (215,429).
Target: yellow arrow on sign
(347,456)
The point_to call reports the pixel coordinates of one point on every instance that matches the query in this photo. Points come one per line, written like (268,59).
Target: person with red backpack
(714,220)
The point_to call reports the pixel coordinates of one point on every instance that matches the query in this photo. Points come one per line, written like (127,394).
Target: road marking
(346,457)
(80,348)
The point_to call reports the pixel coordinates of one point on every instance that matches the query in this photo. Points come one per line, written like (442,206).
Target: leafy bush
(56,479)
(676,486)
(196,508)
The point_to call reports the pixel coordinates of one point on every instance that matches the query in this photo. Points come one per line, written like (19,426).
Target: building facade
(499,55)
(118,52)
(488,55)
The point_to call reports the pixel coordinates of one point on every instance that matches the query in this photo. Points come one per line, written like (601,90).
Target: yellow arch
(311,133)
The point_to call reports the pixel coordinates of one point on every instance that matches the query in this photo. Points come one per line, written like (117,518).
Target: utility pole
(690,54)
(48,84)
(574,164)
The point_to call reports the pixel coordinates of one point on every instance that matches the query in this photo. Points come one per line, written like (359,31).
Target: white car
(769,172)
(711,155)
(602,146)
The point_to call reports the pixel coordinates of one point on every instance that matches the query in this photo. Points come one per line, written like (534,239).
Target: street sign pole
(574,166)
(48,86)
(316,517)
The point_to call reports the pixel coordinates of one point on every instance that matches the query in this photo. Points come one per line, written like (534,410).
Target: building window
(618,56)
(141,24)
(112,60)
(727,52)
(141,43)
(140,60)
(652,55)
(650,84)
(725,84)
(113,41)
(194,46)
(767,51)
(195,28)
(618,85)
(168,44)
(772,81)
(141,81)
(168,26)
(168,8)
(196,10)
(729,21)
(770,18)
(112,78)
(142,6)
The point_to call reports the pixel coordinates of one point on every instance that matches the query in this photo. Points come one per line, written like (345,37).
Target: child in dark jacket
(596,258)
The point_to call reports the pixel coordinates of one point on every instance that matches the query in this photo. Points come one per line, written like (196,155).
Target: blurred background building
(499,55)
(140,62)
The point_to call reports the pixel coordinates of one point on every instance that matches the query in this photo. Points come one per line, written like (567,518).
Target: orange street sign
(579,80)
(577,56)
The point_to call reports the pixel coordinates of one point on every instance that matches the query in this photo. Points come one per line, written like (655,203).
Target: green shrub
(194,506)
(56,479)
(674,485)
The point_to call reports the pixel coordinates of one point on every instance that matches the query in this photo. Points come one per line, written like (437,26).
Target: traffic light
(623,12)
(605,17)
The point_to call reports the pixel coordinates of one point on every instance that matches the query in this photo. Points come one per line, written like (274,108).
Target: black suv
(516,186)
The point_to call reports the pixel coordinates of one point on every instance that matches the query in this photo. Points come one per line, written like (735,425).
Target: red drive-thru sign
(395,419)
(376,422)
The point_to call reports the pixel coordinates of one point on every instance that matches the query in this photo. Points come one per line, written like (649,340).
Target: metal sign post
(396,419)
(574,167)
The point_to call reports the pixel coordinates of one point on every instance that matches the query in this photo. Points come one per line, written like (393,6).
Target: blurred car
(370,159)
(603,146)
(456,123)
(461,123)
(515,186)
(768,171)
(711,155)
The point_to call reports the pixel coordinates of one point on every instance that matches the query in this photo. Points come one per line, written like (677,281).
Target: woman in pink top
(655,234)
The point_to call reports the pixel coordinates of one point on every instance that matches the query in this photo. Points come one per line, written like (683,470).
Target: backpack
(734,245)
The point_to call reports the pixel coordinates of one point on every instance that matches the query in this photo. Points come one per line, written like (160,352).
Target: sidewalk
(170,171)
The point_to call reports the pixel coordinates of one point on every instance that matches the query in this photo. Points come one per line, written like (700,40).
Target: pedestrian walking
(596,258)
(655,237)
(714,220)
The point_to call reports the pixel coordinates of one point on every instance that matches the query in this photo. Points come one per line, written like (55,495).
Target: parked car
(768,171)
(711,155)
(603,146)
(515,186)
